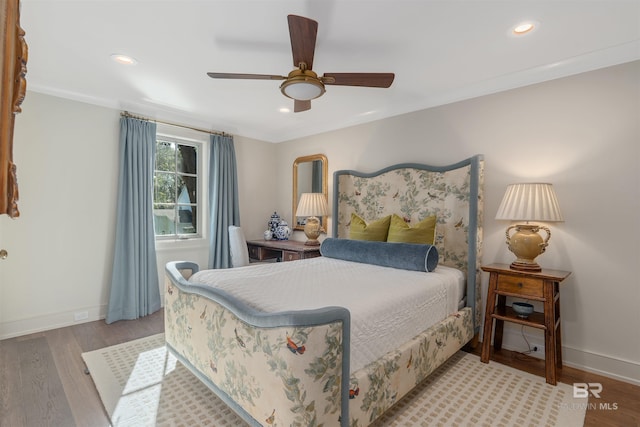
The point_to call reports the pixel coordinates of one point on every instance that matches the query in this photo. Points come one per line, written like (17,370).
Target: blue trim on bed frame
(245,313)
(474,200)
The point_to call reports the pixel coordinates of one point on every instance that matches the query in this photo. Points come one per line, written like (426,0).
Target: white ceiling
(441,52)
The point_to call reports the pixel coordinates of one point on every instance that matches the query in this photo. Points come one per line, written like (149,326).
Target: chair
(238,247)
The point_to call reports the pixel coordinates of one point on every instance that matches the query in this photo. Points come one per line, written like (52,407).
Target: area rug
(142,384)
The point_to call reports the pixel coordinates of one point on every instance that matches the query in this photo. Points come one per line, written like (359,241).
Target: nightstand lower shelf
(535,320)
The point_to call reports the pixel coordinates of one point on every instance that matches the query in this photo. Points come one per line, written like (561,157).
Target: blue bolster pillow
(406,256)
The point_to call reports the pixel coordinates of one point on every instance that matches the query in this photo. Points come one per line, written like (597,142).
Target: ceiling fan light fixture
(302,85)
(302,91)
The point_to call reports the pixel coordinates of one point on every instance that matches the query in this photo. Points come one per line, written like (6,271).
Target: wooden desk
(282,250)
(537,286)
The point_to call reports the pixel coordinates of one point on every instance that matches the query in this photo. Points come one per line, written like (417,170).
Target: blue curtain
(223,199)
(134,285)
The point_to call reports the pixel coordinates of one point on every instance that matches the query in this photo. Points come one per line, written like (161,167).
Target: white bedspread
(388,306)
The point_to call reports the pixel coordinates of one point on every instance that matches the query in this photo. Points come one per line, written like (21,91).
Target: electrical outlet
(81,315)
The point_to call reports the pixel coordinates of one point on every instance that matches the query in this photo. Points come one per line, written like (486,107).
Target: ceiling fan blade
(245,76)
(359,79)
(299,106)
(303,32)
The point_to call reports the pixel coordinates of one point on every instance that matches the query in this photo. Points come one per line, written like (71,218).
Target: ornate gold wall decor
(14,55)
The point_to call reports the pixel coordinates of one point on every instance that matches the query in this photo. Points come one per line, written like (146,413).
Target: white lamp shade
(530,202)
(312,204)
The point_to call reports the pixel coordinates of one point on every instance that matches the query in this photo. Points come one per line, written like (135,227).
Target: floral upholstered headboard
(453,193)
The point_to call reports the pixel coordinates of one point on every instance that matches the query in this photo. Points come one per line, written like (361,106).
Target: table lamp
(312,205)
(528,202)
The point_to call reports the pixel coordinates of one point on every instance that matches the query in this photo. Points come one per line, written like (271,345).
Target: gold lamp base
(525,266)
(312,230)
(526,244)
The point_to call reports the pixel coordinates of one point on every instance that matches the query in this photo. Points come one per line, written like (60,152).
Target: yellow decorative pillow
(422,232)
(374,231)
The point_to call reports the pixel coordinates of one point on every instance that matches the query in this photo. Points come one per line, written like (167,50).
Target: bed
(281,354)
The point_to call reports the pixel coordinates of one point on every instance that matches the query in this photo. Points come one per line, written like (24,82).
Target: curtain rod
(212,132)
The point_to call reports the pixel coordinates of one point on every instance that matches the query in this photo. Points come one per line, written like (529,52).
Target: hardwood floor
(619,402)
(42,379)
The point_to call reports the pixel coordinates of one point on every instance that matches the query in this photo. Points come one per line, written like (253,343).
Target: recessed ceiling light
(284,110)
(524,28)
(123,59)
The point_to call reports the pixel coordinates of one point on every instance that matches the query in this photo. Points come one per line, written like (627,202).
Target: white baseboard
(607,366)
(601,364)
(46,322)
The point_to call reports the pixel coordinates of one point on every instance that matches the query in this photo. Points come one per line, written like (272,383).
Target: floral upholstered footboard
(292,369)
(378,386)
(285,369)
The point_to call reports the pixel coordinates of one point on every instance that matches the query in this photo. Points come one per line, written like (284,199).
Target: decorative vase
(273,223)
(268,235)
(282,230)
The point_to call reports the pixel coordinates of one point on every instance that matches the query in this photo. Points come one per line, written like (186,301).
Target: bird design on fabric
(240,342)
(294,347)
(271,418)
(170,290)
(459,223)
(353,392)
(204,313)
(410,362)
(213,366)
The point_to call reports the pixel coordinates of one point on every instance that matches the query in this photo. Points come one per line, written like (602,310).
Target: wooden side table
(538,286)
(283,250)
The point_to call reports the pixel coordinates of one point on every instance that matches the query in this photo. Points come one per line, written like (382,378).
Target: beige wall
(61,247)
(582,134)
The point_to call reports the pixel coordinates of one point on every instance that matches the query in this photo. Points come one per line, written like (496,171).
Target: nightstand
(536,286)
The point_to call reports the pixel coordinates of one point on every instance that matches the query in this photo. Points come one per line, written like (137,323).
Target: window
(176,195)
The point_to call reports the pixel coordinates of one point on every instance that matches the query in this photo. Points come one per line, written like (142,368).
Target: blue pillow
(406,256)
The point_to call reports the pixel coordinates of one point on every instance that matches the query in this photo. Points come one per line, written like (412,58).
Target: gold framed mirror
(309,176)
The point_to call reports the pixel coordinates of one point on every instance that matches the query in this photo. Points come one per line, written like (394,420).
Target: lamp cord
(529,349)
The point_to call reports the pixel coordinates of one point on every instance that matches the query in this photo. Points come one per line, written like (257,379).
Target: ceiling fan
(302,84)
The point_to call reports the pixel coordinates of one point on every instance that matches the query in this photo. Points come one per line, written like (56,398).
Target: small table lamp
(528,202)
(312,205)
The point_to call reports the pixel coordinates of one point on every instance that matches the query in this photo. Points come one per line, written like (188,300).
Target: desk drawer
(260,253)
(520,285)
(290,256)
(254,252)
(312,254)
